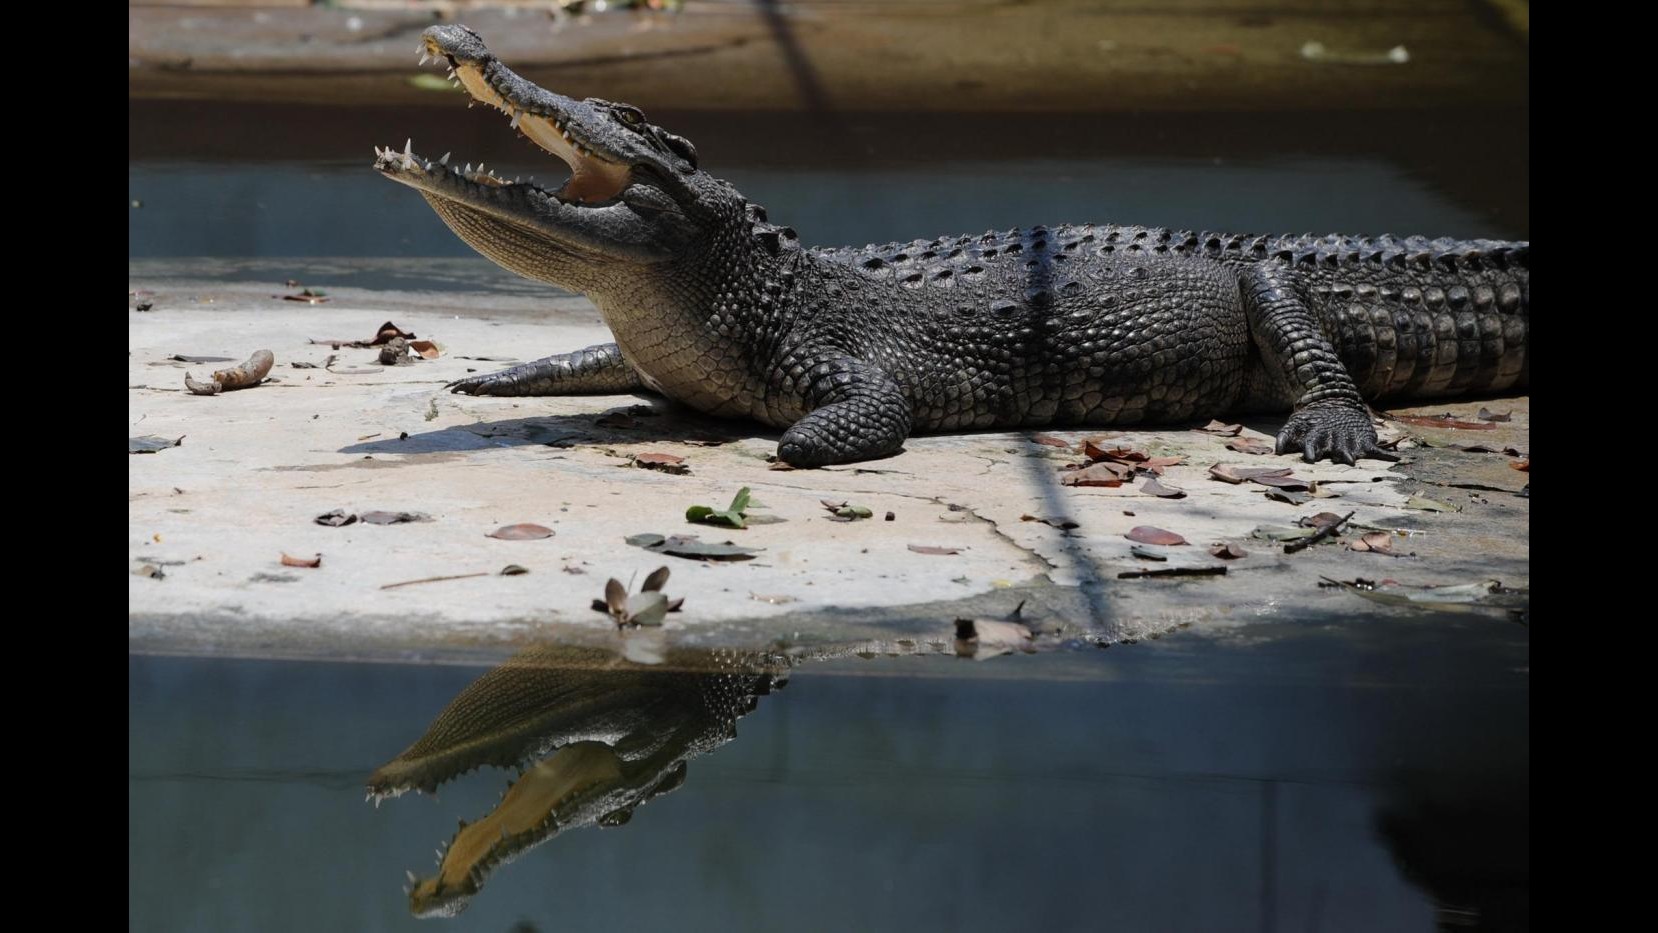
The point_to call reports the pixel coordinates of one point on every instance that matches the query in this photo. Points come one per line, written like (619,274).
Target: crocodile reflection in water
(593,735)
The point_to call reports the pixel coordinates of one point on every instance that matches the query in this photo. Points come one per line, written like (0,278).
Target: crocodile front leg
(595,370)
(1331,419)
(859,413)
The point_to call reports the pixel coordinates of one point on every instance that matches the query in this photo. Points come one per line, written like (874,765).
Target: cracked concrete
(217,513)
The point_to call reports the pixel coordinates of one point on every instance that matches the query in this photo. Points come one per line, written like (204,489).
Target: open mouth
(594,180)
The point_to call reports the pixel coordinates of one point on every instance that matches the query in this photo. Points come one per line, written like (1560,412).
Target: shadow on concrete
(628,424)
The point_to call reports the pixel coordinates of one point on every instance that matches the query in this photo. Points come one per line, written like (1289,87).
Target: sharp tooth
(428,165)
(408,146)
(480,167)
(424,58)
(469,168)
(444,160)
(410,875)
(516,116)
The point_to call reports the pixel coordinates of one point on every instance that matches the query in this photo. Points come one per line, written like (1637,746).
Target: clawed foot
(478,385)
(1339,433)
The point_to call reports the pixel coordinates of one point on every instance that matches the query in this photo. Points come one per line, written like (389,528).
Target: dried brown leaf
(662,463)
(1248,445)
(1147,534)
(1152,487)
(1098,474)
(1227,473)
(1378,541)
(289,561)
(1227,551)
(1487,414)
(1222,429)
(1052,441)
(521,532)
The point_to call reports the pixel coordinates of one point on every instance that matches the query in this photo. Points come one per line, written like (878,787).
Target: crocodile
(592,737)
(849,350)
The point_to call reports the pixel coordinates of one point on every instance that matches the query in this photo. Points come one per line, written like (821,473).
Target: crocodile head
(635,197)
(592,737)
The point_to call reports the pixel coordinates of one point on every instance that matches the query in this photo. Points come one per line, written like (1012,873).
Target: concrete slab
(216,513)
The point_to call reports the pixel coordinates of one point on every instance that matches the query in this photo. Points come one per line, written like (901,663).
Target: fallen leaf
(1241,474)
(1227,551)
(1248,445)
(149,443)
(1443,421)
(301,561)
(1524,466)
(151,571)
(1292,496)
(934,549)
(1319,520)
(1225,430)
(1062,522)
(428,349)
(513,570)
(1487,414)
(662,463)
(689,547)
(731,516)
(389,332)
(335,519)
(1098,474)
(1146,553)
(398,518)
(1147,534)
(1271,478)
(1126,454)
(1152,487)
(521,532)
(1378,541)
(1052,441)
(1425,504)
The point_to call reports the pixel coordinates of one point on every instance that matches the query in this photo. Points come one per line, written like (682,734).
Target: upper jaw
(551,121)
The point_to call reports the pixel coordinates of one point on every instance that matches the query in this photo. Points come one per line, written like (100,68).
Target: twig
(459,576)
(1323,532)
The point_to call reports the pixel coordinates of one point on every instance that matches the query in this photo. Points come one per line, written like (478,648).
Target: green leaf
(739,502)
(698,513)
(647,608)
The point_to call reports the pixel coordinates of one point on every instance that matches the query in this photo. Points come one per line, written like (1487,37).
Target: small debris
(1227,551)
(304,365)
(1319,520)
(150,443)
(335,519)
(1292,496)
(1215,571)
(245,376)
(843,512)
(1248,445)
(1051,441)
(891,517)
(1146,553)
(775,600)
(1463,597)
(395,352)
(1098,474)
(144,306)
(151,571)
(1376,542)
(513,570)
(934,549)
(1487,414)
(520,532)
(1222,429)
(312,296)
(289,561)
(398,518)
(1423,503)
(1062,522)
(1280,533)
(1524,466)
(1147,534)
(662,463)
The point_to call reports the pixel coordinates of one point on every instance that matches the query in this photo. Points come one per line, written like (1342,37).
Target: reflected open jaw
(593,178)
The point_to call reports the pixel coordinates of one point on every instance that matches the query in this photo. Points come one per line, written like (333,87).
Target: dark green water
(1371,775)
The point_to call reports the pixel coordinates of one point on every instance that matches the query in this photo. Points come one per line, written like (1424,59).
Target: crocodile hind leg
(859,413)
(1301,366)
(595,370)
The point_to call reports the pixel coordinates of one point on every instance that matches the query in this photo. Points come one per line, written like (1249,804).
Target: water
(1362,776)
(847,181)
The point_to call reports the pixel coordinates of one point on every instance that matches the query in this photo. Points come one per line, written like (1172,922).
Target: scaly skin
(850,350)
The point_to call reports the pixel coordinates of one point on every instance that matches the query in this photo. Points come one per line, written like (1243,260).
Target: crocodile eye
(631,117)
